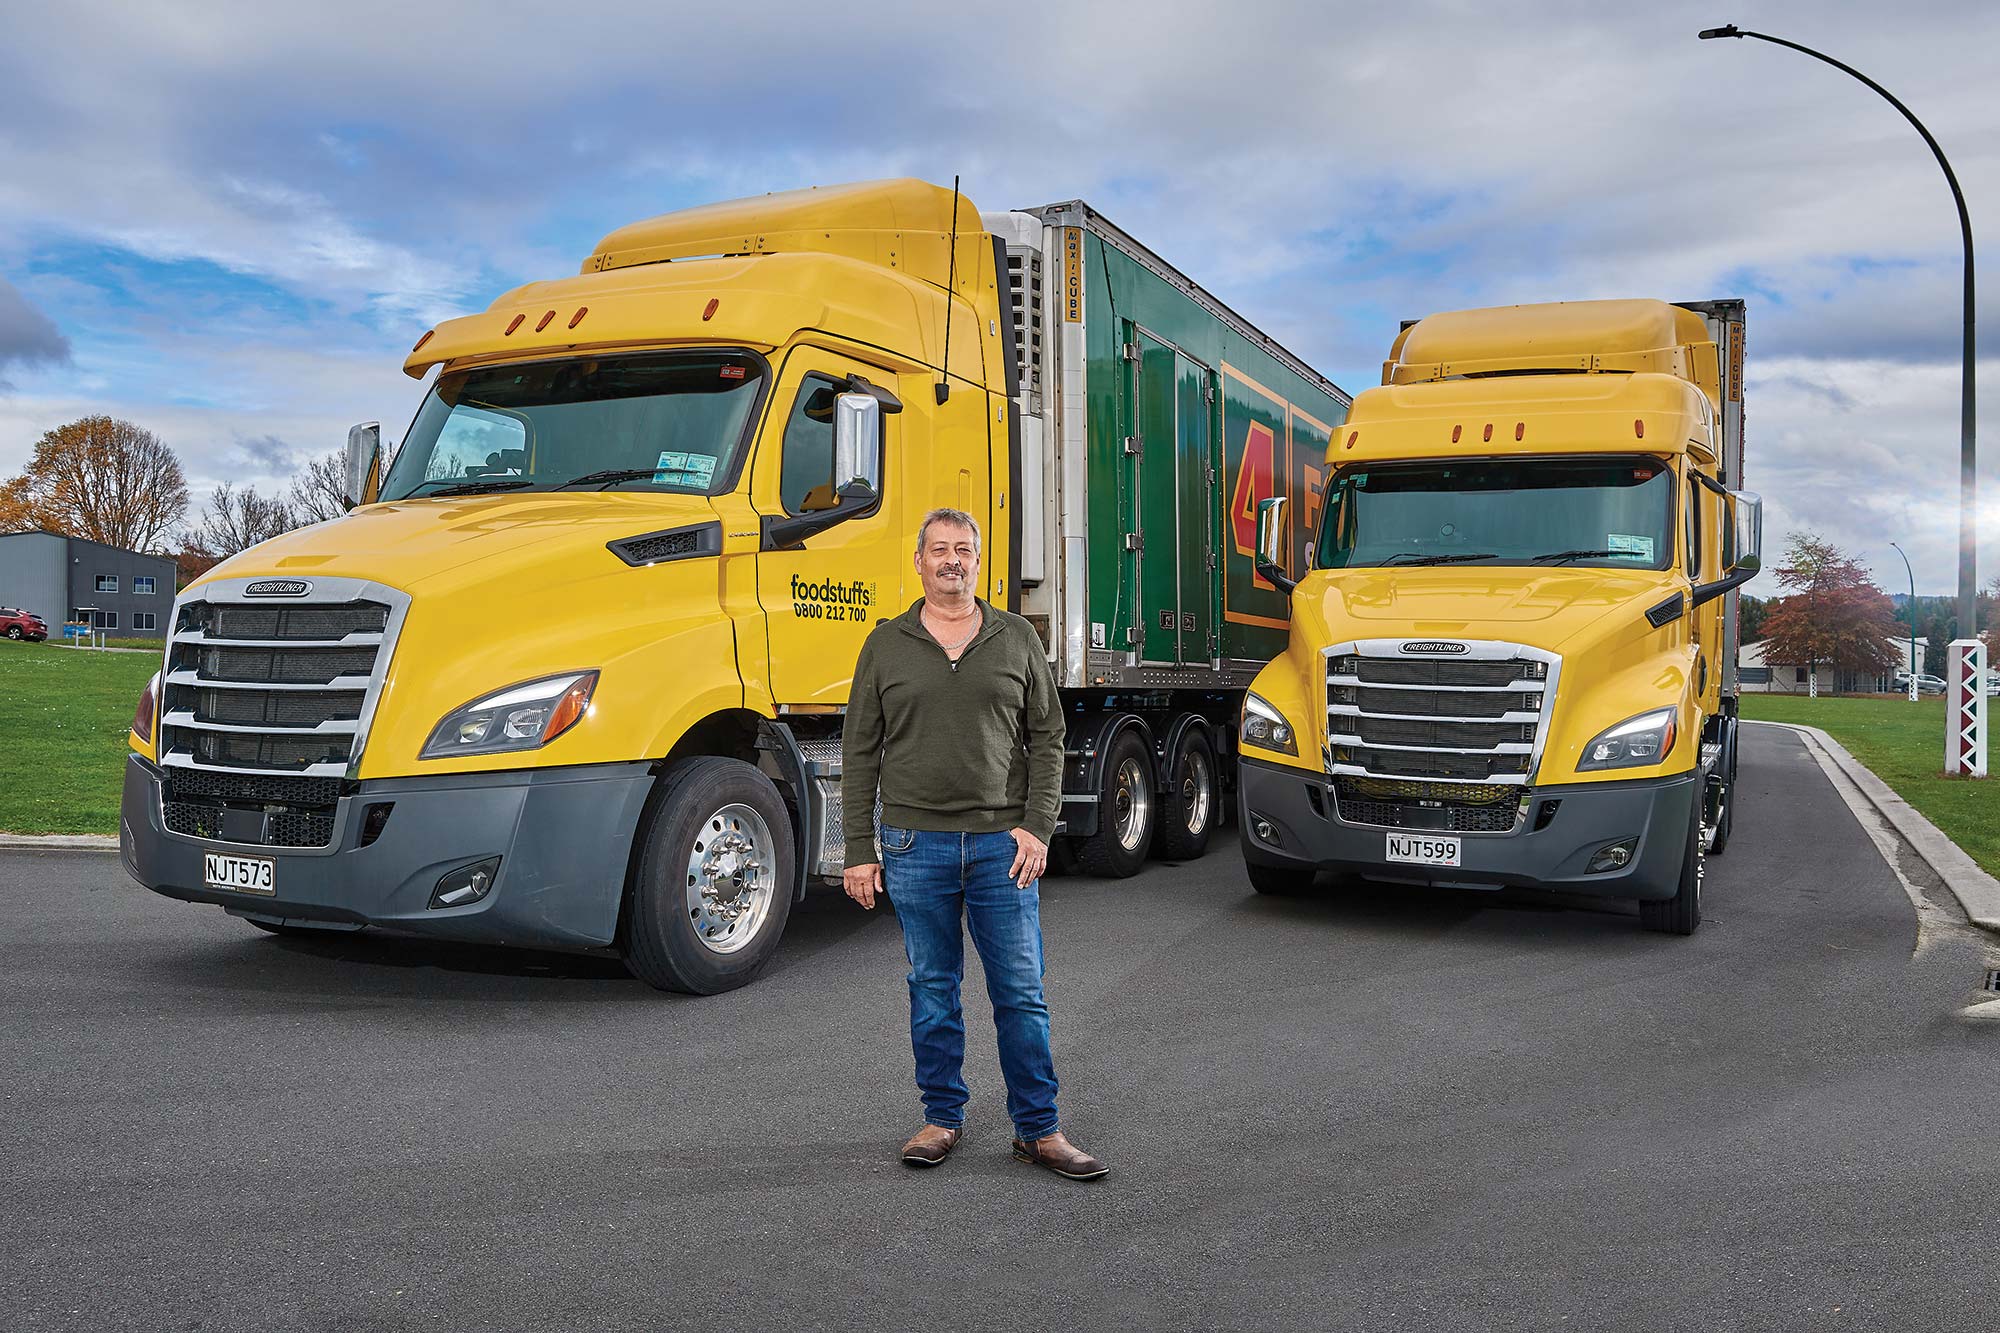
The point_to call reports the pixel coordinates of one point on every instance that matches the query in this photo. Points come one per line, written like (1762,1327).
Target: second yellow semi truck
(1512,654)
(571,673)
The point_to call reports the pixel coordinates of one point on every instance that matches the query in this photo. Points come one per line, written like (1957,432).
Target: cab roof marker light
(1520,429)
(545,321)
(1489,432)
(1638,428)
(1456,431)
(1352,436)
(709,313)
(421,341)
(577,318)
(515,325)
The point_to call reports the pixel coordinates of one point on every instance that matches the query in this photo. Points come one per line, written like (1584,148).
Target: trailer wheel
(1127,806)
(1191,802)
(712,886)
(1680,914)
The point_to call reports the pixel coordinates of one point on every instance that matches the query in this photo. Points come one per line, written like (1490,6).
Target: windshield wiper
(610,475)
(470,488)
(1576,555)
(1413,558)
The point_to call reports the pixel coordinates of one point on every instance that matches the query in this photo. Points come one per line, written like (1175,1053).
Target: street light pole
(1968,479)
(1913,619)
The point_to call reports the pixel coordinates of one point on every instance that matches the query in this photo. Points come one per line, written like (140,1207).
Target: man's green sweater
(971,747)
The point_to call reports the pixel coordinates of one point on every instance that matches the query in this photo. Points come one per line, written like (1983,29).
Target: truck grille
(261,709)
(1440,806)
(1479,718)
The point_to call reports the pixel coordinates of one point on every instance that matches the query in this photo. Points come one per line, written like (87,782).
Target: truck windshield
(1613,512)
(666,421)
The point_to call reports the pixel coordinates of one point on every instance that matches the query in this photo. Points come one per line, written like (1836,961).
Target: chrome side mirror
(1271,543)
(857,443)
(364,463)
(1749,532)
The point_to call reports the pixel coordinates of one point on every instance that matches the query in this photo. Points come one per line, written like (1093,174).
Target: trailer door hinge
(1135,444)
(1208,559)
(1130,351)
(1208,391)
(1135,541)
(1208,473)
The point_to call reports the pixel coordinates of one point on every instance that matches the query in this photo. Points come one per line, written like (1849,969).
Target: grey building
(63,579)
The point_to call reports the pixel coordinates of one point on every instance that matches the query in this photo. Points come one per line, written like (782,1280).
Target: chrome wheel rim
(1132,804)
(1197,784)
(731,878)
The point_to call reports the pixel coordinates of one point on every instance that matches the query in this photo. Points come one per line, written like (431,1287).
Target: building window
(145,620)
(104,619)
(142,585)
(107,583)
(1798,675)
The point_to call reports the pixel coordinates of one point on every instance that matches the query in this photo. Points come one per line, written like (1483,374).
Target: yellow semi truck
(571,672)
(1512,651)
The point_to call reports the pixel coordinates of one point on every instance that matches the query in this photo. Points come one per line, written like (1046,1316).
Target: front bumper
(1308,832)
(564,837)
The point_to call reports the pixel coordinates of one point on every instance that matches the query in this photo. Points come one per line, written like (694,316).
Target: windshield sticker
(1626,544)
(684,470)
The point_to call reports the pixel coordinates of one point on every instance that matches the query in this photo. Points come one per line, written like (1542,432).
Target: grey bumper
(564,838)
(1307,831)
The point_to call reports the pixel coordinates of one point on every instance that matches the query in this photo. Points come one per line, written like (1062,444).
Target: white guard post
(1965,710)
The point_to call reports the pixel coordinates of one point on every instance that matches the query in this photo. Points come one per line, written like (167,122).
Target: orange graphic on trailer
(1256,481)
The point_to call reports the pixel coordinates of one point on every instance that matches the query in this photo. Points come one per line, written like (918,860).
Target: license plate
(244,874)
(1422,851)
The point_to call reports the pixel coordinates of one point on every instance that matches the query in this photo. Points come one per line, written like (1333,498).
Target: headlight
(1637,741)
(520,717)
(1265,727)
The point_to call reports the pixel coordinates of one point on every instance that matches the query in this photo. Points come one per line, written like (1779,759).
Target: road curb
(1978,893)
(58,842)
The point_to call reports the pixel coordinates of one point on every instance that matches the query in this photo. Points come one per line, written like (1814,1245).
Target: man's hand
(863,882)
(1031,858)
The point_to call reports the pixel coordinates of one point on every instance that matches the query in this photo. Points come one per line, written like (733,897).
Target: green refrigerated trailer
(1153,419)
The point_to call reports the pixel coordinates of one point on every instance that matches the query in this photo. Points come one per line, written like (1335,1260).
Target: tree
(99,478)
(1835,615)
(1750,613)
(320,492)
(237,520)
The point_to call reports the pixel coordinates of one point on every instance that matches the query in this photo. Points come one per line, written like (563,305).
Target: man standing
(954,715)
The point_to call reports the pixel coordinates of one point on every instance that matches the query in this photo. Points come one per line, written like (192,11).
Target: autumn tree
(235,520)
(100,478)
(1834,615)
(320,492)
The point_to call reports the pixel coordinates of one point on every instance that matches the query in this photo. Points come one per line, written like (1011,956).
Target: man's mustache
(952,569)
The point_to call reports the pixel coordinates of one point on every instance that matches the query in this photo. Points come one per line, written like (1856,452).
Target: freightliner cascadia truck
(571,672)
(1512,655)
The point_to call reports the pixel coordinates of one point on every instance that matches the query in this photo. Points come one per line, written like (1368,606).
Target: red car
(19,624)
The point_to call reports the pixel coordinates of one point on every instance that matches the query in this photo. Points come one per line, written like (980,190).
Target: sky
(228,222)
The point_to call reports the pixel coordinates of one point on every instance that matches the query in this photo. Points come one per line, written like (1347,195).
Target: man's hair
(955,516)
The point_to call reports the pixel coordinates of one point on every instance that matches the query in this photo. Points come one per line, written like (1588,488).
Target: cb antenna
(950,291)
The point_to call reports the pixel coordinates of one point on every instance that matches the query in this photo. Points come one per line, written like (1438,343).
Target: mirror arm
(1708,592)
(788,532)
(1272,574)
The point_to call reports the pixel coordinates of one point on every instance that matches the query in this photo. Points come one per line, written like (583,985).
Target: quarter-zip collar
(912,622)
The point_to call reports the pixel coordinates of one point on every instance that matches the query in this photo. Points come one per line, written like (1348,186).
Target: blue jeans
(934,880)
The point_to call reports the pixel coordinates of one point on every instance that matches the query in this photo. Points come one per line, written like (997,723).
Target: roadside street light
(1913,619)
(1959,741)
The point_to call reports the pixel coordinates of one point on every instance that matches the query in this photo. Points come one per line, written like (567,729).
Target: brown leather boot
(1061,1156)
(930,1145)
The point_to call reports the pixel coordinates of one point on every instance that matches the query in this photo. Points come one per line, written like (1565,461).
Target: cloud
(27,336)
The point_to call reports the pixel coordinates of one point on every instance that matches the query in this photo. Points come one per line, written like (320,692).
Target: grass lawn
(64,714)
(1903,743)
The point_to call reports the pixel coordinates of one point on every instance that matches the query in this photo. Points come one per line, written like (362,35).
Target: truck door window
(806,462)
(1694,512)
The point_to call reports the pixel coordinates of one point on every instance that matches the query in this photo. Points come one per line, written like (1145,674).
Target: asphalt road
(1375,1108)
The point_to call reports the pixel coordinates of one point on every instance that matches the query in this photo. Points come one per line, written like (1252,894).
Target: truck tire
(1680,914)
(1191,802)
(1127,809)
(712,885)
(1280,881)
